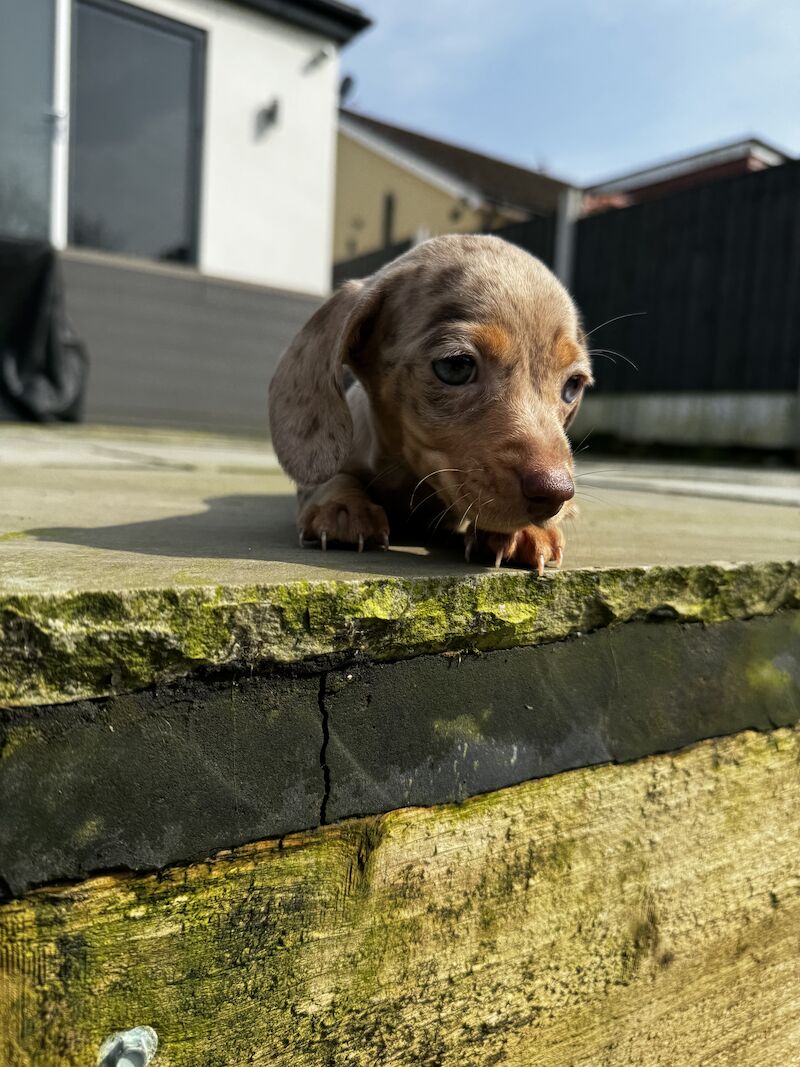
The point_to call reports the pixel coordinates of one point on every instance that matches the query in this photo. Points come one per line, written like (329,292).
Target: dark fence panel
(367,263)
(716,272)
(536,235)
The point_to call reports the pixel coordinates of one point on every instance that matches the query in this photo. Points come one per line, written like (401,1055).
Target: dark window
(136,130)
(388,219)
(26,97)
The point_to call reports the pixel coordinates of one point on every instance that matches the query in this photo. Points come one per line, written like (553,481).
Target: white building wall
(266,211)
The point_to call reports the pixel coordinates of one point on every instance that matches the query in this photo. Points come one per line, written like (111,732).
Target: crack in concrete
(323,752)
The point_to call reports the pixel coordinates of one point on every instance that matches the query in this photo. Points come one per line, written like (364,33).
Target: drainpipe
(570,200)
(59,118)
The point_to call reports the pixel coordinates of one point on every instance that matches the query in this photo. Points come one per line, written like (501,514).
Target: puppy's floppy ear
(309,418)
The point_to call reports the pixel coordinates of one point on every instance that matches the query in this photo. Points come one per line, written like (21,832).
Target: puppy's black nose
(547,490)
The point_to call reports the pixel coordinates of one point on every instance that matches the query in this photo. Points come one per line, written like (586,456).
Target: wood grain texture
(639,914)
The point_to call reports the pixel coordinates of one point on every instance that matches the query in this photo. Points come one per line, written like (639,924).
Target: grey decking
(175,348)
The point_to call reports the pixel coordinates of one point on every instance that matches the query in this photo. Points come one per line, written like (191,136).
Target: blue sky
(585,88)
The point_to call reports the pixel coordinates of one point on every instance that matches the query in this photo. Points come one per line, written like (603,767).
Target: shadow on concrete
(251,527)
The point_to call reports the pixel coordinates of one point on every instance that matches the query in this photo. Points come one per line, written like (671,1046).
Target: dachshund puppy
(469,364)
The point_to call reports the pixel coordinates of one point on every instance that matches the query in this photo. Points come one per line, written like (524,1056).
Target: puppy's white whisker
(446,510)
(609,353)
(424,501)
(442,470)
(629,315)
(481,506)
(383,474)
(588,474)
(582,441)
(464,516)
(594,499)
(443,515)
(477,516)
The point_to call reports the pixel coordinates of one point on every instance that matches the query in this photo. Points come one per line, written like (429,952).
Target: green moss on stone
(767,676)
(17,737)
(462,727)
(88,831)
(63,647)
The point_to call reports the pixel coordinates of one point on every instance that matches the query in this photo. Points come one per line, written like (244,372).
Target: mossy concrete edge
(66,646)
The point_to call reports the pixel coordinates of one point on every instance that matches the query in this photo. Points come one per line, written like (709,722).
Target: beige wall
(363,177)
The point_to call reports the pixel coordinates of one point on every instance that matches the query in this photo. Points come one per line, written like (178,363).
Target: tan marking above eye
(492,338)
(566,351)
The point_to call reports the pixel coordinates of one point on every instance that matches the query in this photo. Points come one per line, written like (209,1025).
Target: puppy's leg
(340,510)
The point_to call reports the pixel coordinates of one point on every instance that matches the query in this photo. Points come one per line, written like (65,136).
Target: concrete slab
(105,509)
(758,484)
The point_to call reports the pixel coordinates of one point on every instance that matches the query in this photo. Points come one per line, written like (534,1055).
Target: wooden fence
(714,275)
(709,277)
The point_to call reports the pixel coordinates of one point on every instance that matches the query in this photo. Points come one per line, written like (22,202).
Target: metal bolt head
(129,1048)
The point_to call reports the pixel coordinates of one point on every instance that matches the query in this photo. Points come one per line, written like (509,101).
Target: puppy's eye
(572,389)
(455,370)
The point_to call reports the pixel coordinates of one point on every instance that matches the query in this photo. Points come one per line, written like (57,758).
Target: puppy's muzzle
(546,491)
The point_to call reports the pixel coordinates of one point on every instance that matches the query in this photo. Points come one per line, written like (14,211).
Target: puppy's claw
(498,558)
(540,565)
(385,542)
(559,557)
(323,540)
(468,550)
(360,542)
(302,539)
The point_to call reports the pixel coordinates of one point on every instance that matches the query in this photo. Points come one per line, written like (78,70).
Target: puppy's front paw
(348,522)
(532,546)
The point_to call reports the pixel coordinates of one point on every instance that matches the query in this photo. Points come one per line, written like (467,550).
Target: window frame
(198,38)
